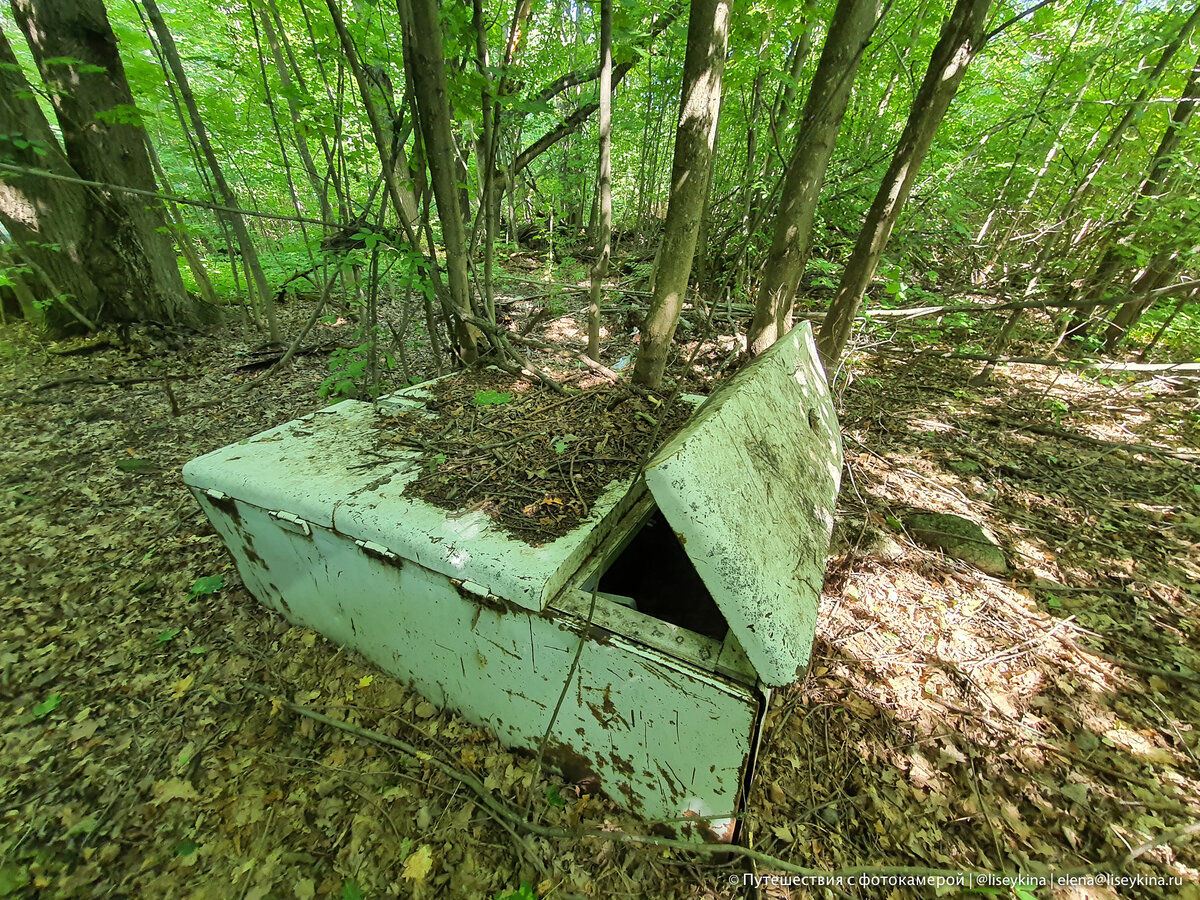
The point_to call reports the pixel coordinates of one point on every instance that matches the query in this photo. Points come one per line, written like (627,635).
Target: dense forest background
(306,149)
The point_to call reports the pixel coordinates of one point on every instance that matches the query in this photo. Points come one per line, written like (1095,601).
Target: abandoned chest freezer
(690,590)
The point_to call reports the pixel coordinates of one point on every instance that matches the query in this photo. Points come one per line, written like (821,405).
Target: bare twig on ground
(520,823)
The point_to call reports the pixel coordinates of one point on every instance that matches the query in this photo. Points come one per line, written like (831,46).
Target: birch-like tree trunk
(960,41)
(604,178)
(1162,166)
(703,68)
(237,224)
(849,32)
(426,68)
(300,129)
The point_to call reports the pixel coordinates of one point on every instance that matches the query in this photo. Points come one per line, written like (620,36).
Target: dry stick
(583,634)
(291,350)
(523,363)
(1167,837)
(1130,447)
(500,809)
(100,379)
(1183,368)
(914,312)
(162,195)
(600,368)
(1138,667)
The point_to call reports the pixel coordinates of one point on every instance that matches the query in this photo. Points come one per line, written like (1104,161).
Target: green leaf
(12,879)
(134,465)
(167,635)
(491,398)
(209,584)
(197,650)
(47,706)
(186,848)
(351,891)
(121,114)
(555,798)
(524,892)
(86,825)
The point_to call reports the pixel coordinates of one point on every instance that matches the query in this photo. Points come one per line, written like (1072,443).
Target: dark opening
(655,571)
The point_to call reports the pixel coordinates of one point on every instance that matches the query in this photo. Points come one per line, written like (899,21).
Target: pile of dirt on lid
(533,460)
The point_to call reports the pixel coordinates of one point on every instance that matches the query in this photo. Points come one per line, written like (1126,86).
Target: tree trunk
(849,32)
(960,41)
(300,129)
(1152,188)
(604,177)
(55,225)
(138,277)
(703,67)
(1162,268)
(395,174)
(170,53)
(1132,114)
(575,120)
(426,67)
(178,228)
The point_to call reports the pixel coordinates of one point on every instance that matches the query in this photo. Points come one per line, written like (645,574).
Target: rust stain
(491,602)
(388,559)
(575,767)
(622,765)
(227,505)
(251,554)
(606,712)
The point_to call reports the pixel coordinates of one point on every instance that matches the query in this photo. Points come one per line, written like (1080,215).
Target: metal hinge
(373,549)
(292,522)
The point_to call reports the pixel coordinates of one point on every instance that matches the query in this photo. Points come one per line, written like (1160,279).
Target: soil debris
(534,461)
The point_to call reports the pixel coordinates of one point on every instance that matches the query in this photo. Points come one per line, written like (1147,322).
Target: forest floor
(950,720)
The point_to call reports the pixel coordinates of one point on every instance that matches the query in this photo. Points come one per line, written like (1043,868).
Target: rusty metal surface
(661,735)
(314,469)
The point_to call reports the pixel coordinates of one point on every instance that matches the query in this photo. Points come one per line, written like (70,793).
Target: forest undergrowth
(950,720)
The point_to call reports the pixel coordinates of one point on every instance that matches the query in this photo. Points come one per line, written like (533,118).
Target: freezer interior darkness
(653,574)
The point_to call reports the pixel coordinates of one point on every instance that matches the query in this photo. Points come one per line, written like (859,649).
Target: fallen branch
(1182,367)
(501,339)
(1130,447)
(99,380)
(1165,674)
(1167,837)
(520,823)
(508,336)
(916,312)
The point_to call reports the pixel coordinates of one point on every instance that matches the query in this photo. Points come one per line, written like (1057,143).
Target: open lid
(750,486)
